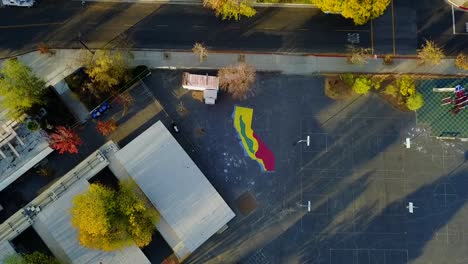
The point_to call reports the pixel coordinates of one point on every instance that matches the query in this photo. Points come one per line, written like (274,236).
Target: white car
(23,3)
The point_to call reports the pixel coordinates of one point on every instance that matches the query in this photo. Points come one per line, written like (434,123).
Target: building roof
(53,224)
(199,82)
(34,149)
(191,209)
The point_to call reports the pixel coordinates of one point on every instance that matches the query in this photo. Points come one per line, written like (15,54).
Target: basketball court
(351,184)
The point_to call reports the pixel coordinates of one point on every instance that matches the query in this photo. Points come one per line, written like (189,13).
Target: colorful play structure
(252,144)
(458,100)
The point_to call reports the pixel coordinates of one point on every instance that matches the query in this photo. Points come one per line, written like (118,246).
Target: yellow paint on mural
(243,123)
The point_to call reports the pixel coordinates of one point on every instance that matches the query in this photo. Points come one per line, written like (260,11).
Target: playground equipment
(458,100)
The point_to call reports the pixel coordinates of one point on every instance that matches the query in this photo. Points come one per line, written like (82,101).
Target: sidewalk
(55,68)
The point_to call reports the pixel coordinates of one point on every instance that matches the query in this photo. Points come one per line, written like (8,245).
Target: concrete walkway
(54,68)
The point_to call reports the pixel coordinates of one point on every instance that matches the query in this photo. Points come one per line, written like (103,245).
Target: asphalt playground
(357,175)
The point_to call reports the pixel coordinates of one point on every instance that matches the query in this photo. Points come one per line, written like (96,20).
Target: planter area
(79,81)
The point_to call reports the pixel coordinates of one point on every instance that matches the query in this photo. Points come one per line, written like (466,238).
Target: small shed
(199,82)
(191,209)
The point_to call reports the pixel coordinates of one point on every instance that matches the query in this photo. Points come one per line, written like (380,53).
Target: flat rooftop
(191,209)
(34,149)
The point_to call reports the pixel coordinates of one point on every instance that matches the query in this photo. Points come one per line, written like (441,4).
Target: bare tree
(237,80)
(359,56)
(200,51)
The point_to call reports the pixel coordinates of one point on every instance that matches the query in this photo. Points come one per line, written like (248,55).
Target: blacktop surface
(357,174)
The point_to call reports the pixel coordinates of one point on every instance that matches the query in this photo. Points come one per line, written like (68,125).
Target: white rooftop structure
(199,82)
(20,150)
(53,224)
(191,209)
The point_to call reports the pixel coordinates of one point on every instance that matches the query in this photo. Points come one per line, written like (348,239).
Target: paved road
(175,26)
(401,30)
(436,21)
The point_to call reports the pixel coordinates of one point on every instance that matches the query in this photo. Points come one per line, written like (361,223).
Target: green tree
(431,53)
(109,220)
(348,79)
(415,101)
(362,85)
(107,70)
(391,90)
(13,259)
(357,10)
(20,89)
(406,85)
(231,9)
(39,258)
(32,258)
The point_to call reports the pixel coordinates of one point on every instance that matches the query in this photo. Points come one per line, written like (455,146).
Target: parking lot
(357,175)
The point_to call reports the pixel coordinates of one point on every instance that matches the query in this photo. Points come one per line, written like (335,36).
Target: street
(59,24)
(401,30)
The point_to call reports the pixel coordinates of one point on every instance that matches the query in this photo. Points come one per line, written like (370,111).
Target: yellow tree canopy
(360,11)
(231,9)
(106,70)
(20,89)
(91,210)
(109,220)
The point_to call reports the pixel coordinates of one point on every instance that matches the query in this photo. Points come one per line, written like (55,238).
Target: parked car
(22,3)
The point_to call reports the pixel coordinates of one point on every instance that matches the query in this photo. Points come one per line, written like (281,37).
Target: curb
(329,55)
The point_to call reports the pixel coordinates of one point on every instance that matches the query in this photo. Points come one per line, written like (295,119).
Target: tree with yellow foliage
(106,70)
(231,9)
(360,11)
(109,220)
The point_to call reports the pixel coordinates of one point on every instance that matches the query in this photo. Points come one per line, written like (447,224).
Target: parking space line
(372,35)
(352,30)
(393,30)
(453,20)
(454,31)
